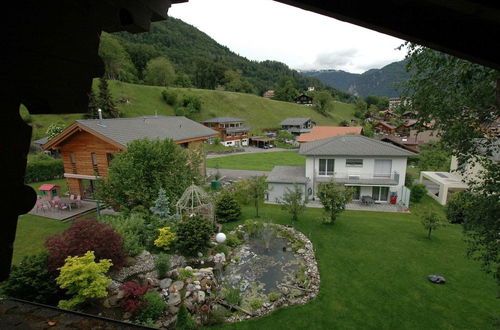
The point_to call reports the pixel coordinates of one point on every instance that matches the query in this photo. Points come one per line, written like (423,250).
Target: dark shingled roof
(352,145)
(223,120)
(294,121)
(125,130)
(287,174)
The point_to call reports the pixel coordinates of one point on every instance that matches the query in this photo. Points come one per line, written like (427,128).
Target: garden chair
(40,206)
(78,200)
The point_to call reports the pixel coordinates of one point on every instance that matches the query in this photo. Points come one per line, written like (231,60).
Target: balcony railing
(360,178)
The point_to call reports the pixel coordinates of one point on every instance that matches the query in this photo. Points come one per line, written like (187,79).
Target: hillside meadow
(260,113)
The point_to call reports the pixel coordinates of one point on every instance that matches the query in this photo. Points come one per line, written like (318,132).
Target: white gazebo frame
(195,201)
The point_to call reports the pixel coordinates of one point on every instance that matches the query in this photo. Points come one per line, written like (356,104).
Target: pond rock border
(311,271)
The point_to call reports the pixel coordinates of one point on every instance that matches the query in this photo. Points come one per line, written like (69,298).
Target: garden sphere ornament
(220,237)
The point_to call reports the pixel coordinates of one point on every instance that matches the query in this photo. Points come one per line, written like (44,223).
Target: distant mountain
(378,82)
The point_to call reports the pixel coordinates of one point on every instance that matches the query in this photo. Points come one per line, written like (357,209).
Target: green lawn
(258,161)
(32,231)
(374,269)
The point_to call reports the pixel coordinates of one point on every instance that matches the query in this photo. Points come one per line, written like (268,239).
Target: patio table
(367,200)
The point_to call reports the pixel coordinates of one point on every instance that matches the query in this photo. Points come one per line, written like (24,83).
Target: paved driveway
(236,174)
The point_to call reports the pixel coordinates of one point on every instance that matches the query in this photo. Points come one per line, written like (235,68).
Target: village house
(88,146)
(269,94)
(376,170)
(324,132)
(383,127)
(304,99)
(413,141)
(232,131)
(297,125)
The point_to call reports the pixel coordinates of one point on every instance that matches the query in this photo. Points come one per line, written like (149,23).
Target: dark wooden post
(16,198)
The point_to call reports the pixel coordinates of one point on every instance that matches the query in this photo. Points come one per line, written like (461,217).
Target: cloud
(335,60)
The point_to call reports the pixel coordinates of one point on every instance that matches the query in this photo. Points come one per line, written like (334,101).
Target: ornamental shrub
(165,238)
(193,234)
(83,278)
(155,306)
(44,170)
(232,240)
(133,230)
(31,280)
(458,204)
(418,191)
(132,298)
(227,208)
(184,320)
(162,264)
(83,236)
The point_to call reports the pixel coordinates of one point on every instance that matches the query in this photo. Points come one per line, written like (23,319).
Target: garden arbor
(195,201)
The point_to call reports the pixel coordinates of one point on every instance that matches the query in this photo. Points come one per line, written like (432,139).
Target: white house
(372,167)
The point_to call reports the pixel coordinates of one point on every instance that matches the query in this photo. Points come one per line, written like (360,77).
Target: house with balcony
(371,167)
(232,131)
(88,147)
(297,125)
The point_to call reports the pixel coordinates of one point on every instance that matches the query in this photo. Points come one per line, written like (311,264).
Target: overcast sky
(268,30)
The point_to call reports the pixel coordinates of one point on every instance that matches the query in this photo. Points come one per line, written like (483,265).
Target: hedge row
(44,170)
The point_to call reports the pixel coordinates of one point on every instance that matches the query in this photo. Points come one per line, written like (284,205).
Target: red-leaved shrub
(83,236)
(133,293)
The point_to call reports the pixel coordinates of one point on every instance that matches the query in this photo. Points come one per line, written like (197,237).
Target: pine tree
(184,320)
(161,207)
(227,208)
(93,106)
(105,101)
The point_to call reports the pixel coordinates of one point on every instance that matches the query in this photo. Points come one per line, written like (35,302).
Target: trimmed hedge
(44,170)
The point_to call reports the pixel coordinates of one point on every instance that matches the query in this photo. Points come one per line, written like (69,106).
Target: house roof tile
(323,132)
(352,145)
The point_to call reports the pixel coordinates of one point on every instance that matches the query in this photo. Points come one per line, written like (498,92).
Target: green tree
(431,221)
(284,135)
(294,202)
(136,175)
(360,109)
(463,99)
(159,72)
(286,90)
(434,157)
(183,80)
(83,278)
(334,198)
(208,75)
(117,63)
(323,102)
(256,189)
(105,100)
(227,208)
(140,55)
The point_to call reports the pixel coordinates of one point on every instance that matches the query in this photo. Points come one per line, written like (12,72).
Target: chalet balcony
(383,179)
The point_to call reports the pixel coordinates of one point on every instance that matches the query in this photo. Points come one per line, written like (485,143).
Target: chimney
(101,122)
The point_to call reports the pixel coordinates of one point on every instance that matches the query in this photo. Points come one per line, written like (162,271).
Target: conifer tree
(105,101)
(93,106)
(227,208)
(161,208)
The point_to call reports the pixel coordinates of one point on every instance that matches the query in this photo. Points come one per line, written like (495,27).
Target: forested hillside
(196,60)
(381,82)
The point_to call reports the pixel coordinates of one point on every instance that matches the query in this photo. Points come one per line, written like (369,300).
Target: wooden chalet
(383,127)
(413,141)
(269,94)
(404,129)
(297,125)
(88,146)
(232,131)
(304,99)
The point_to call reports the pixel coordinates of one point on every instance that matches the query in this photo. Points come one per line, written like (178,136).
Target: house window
(383,168)
(94,158)
(72,158)
(354,163)
(380,194)
(356,193)
(326,166)
(109,158)
(184,145)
